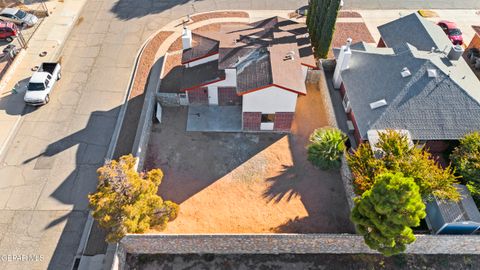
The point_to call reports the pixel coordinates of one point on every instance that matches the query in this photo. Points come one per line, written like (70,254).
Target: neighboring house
(419,82)
(472,52)
(475,43)
(260,66)
(448,217)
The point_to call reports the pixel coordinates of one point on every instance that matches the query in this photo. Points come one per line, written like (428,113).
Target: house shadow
(89,146)
(192,161)
(124,10)
(321,193)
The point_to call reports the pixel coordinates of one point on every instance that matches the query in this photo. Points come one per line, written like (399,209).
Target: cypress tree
(310,13)
(327,30)
(321,9)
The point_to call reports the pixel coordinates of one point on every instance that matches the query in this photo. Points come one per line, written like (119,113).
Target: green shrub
(326,147)
(385,214)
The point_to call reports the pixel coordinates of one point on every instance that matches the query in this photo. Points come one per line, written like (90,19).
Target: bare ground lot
(302,261)
(247,182)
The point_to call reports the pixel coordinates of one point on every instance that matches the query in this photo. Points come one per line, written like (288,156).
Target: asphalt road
(411,4)
(51,165)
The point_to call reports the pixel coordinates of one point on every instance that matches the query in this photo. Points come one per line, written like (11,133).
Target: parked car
(18,17)
(452,31)
(41,84)
(8,31)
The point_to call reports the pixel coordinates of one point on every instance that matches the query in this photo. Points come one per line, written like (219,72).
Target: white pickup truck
(41,84)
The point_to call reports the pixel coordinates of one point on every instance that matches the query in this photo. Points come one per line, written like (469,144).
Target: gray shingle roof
(441,108)
(415,30)
(430,108)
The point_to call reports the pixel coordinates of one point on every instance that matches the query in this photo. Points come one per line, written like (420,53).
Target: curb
(7,77)
(109,155)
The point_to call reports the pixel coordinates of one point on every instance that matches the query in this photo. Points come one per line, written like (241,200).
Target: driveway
(248,182)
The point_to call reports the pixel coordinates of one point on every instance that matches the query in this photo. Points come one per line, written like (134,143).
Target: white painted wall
(230,79)
(202,60)
(270,100)
(212,95)
(304,72)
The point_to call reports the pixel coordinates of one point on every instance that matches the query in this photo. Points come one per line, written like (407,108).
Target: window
(36,87)
(20,14)
(268,118)
(47,82)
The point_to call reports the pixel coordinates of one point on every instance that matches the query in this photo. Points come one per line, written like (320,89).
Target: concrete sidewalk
(464,19)
(49,37)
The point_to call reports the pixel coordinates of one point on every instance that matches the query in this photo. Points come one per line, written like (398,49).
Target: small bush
(326,147)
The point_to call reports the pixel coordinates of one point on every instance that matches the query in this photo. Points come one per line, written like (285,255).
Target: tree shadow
(321,193)
(131,9)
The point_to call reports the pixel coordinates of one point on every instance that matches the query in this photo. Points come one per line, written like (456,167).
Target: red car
(8,31)
(452,31)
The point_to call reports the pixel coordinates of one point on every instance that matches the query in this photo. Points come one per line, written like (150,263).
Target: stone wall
(286,243)
(347,180)
(142,135)
(168,99)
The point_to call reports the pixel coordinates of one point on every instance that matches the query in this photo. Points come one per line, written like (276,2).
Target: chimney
(342,63)
(186,38)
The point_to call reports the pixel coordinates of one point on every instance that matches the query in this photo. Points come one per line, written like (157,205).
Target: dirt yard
(246,182)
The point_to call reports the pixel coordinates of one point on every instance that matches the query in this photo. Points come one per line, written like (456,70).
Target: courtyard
(248,182)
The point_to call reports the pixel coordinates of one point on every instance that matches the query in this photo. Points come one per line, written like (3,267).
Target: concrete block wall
(168,99)
(283,244)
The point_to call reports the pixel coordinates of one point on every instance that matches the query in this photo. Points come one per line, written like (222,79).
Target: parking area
(248,182)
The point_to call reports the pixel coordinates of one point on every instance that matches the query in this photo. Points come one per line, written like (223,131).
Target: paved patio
(214,118)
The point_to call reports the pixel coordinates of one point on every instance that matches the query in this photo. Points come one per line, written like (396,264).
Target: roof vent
(405,72)
(378,104)
(290,55)
(432,73)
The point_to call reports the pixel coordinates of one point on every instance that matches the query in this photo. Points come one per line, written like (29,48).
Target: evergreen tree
(466,159)
(127,202)
(328,28)
(311,13)
(322,7)
(385,214)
